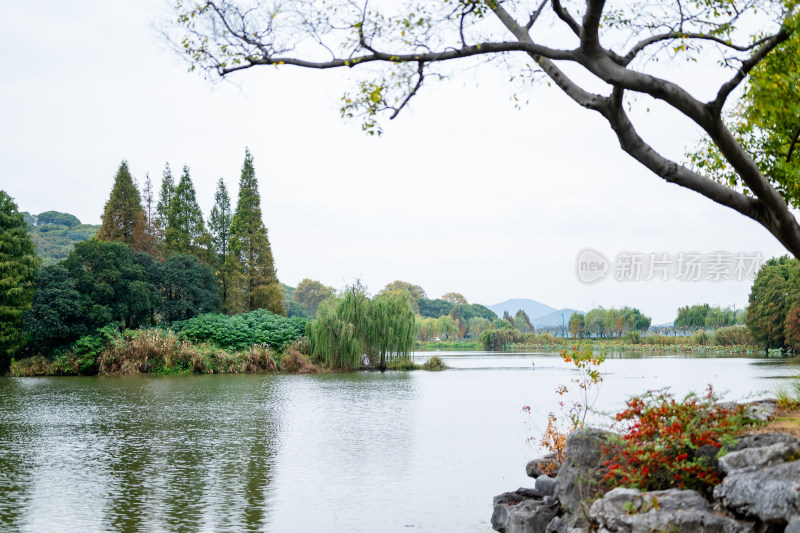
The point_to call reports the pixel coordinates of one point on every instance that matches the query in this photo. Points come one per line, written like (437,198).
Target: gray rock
(793,527)
(579,476)
(771,493)
(528,516)
(631,511)
(760,440)
(546,485)
(542,465)
(517,496)
(760,456)
(762,410)
(558,525)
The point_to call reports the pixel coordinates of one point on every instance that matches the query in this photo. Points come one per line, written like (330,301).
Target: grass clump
(434,363)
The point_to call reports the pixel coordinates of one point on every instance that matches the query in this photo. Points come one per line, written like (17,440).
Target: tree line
(232,242)
(153,260)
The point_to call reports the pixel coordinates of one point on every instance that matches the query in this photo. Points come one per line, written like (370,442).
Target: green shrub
(434,363)
(240,332)
(496,339)
(733,336)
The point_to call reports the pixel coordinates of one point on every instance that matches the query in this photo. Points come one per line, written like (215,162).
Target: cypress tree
(164,198)
(226,267)
(18,266)
(186,231)
(250,244)
(121,215)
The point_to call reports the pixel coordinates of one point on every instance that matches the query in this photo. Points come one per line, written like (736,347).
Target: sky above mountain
(462,193)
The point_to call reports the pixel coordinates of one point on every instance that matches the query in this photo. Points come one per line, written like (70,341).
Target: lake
(353,452)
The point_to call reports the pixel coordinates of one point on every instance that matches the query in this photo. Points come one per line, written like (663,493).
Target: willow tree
(351,330)
(605,56)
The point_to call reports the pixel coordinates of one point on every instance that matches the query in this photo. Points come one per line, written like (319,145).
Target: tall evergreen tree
(121,215)
(226,266)
(18,266)
(146,233)
(186,231)
(250,244)
(164,199)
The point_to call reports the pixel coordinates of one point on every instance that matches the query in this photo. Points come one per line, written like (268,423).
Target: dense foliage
(102,283)
(705,316)
(310,293)
(18,265)
(661,437)
(774,305)
(352,330)
(123,216)
(239,332)
(601,322)
(188,288)
(250,245)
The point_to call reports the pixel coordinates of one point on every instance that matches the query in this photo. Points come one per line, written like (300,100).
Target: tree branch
(590,38)
(535,15)
(644,43)
(747,66)
(566,17)
(427,57)
(775,218)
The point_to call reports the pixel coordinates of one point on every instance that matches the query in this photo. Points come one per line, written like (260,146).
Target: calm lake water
(401,451)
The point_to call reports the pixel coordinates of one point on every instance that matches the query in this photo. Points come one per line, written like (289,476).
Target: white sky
(462,193)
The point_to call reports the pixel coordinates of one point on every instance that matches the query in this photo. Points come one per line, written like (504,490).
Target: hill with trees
(54,233)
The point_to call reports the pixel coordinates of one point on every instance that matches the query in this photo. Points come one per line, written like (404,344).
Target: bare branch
(429,57)
(747,66)
(413,92)
(566,17)
(535,15)
(675,35)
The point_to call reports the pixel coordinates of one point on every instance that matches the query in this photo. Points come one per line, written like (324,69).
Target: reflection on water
(330,452)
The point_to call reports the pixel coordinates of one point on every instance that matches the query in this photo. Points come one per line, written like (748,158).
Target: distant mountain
(554,319)
(532,308)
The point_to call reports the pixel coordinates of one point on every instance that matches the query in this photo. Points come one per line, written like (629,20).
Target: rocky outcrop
(771,493)
(632,511)
(578,478)
(778,452)
(760,492)
(523,511)
(542,465)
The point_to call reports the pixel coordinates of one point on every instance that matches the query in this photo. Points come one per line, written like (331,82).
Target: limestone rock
(515,512)
(771,493)
(540,467)
(631,511)
(579,476)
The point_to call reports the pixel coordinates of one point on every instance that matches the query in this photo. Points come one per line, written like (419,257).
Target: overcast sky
(462,193)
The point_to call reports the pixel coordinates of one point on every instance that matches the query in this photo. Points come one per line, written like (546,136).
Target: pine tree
(146,232)
(186,231)
(122,211)
(164,199)
(226,267)
(18,266)
(250,244)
